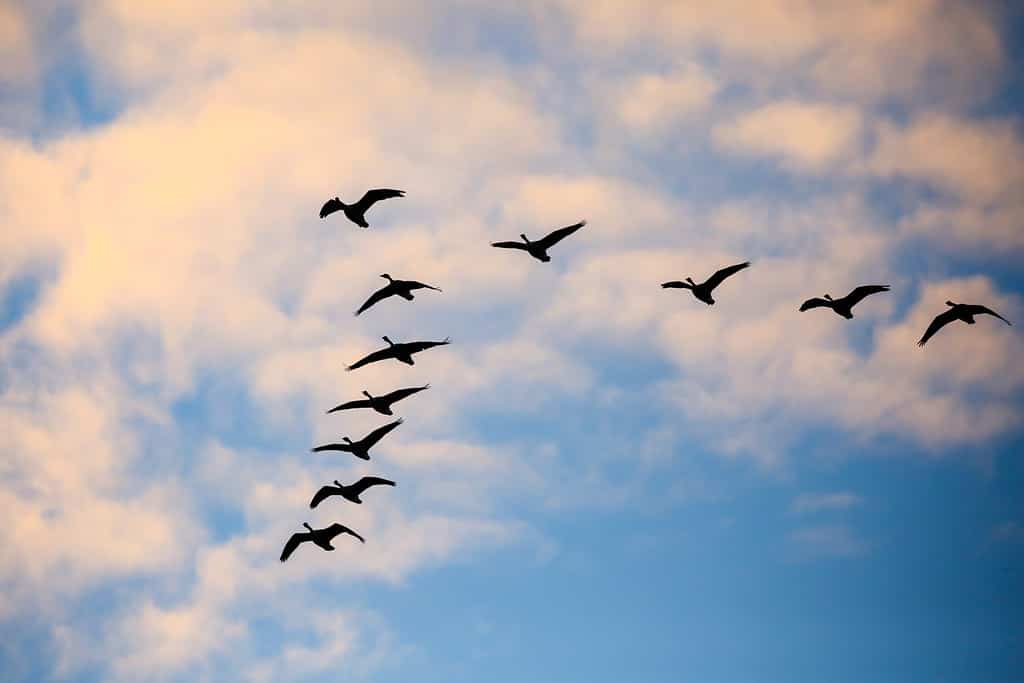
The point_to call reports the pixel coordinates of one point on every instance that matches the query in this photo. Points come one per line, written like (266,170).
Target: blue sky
(606,480)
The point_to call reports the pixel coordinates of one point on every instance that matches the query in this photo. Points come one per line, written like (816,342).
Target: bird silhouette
(844,305)
(539,249)
(349,493)
(963,312)
(401,352)
(321,537)
(703,290)
(357,212)
(402,288)
(382,404)
(361,448)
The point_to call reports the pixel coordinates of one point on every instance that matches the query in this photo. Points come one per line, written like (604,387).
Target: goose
(361,448)
(844,305)
(349,493)
(382,404)
(400,352)
(964,312)
(321,537)
(703,290)
(357,212)
(539,249)
(402,288)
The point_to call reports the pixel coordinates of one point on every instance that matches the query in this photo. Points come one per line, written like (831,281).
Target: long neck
(367,395)
(525,238)
(390,343)
(346,439)
(306,524)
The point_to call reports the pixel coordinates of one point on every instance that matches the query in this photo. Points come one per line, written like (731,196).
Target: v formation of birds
(538,249)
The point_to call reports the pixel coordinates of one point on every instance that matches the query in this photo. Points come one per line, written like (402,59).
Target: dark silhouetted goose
(402,288)
(845,305)
(361,448)
(400,352)
(539,249)
(703,290)
(321,537)
(357,212)
(963,312)
(382,404)
(350,493)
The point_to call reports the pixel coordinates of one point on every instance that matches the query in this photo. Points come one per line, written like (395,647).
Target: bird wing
(854,297)
(336,529)
(556,236)
(940,320)
(509,245)
(676,284)
(330,207)
(413,284)
(380,354)
(719,276)
(382,293)
(332,447)
(324,492)
(417,346)
(814,303)
(378,433)
(976,309)
(359,403)
(399,394)
(294,542)
(373,196)
(367,482)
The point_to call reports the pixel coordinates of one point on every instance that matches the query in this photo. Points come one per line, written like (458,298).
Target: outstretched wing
(332,447)
(676,284)
(417,346)
(814,303)
(382,293)
(556,236)
(294,542)
(719,276)
(509,245)
(380,354)
(360,403)
(399,394)
(373,196)
(336,529)
(323,493)
(413,284)
(367,482)
(940,320)
(378,433)
(330,207)
(854,297)
(976,309)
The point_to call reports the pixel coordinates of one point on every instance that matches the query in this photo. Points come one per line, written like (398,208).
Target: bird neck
(338,484)
(390,343)
(367,395)
(828,298)
(525,238)
(346,439)
(306,524)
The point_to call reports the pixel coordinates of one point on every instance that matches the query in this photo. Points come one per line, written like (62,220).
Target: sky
(606,480)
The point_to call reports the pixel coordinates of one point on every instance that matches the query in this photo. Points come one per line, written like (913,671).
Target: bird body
(844,306)
(382,404)
(963,312)
(351,492)
(361,448)
(357,212)
(703,290)
(319,537)
(539,248)
(401,352)
(402,288)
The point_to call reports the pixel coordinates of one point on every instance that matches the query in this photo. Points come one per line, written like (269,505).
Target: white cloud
(828,541)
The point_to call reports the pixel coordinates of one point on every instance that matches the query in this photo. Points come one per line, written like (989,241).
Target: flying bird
(401,352)
(964,312)
(382,404)
(539,249)
(357,212)
(844,305)
(361,448)
(349,493)
(402,288)
(321,537)
(703,290)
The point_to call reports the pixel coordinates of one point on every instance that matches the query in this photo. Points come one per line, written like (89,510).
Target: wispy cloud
(818,502)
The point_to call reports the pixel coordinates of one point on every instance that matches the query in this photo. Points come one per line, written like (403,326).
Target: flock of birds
(538,249)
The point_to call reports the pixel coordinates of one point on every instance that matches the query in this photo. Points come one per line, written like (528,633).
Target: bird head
(386,277)
(390,343)
(346,439)
(338,484)
(525,238)
(367,394)
(690,280)
(306,524)
(950,303)
(828,297)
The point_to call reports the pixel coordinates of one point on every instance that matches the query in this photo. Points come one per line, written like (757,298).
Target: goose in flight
(382,404)
(539,249)
(357,212)
(321,537)
(400,352)
(361,448)
(703,290)
(402,288)
(349,493)
(964,312)
(844,305)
